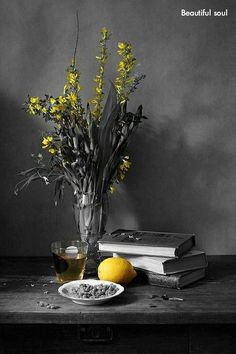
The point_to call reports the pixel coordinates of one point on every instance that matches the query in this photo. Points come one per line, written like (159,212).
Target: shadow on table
(123,299)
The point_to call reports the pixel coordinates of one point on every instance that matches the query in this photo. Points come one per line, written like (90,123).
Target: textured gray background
(184,157)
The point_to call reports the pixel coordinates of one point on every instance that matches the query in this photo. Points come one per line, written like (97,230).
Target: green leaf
(59,189)
(110,105)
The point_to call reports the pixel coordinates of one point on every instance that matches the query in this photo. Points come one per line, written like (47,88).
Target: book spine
(166,281)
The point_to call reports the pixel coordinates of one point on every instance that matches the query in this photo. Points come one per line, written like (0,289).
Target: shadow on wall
(173,188)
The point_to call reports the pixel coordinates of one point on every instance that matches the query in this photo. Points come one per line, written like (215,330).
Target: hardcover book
(175,281)
(194,259)
(149,243)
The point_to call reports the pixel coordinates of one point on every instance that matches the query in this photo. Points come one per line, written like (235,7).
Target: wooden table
(134,322)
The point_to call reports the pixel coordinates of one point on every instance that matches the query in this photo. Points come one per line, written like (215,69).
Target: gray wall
(184,157)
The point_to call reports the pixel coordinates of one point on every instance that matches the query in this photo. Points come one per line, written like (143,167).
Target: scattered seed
(49,306)
(176,299)
(165,297)
(53,307)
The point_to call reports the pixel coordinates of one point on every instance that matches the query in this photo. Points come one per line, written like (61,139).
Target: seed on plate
(87,291)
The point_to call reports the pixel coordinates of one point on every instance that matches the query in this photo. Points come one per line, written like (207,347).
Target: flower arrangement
(87,146)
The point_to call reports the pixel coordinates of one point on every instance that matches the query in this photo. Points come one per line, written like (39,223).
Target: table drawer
(94,339)
(212,339)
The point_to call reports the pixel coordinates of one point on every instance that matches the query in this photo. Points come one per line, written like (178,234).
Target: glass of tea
(69,259)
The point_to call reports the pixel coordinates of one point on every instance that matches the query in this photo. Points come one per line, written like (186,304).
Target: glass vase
(90,217)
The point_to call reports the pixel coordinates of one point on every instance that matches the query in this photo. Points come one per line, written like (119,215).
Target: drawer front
(212,339)
(94,339)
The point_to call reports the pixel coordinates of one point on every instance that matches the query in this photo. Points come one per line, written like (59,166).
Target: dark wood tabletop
(24,282)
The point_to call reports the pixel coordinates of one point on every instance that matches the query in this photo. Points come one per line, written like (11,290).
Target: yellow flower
(61,99)
(34,100)
(37,106)
(71,78)
(54,109)
(118,88)
(52,100)
(98,90)
(104,32)
(31,110)
(121,45)
(121,66)
(52,151)
(97,99)
(46,142)
(72,98)
(125,164)
(65,88)
(61,107)
(112,189)
(44,110)
(34,105)
(57,108)
(124,82)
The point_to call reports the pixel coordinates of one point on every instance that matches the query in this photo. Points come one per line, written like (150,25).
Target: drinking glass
(69,259)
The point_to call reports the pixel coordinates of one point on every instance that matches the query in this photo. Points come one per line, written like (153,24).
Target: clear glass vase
(90,217)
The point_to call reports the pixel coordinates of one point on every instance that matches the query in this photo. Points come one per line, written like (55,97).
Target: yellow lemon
(116,269)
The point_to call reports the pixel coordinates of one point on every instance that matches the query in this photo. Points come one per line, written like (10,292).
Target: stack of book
(166,259)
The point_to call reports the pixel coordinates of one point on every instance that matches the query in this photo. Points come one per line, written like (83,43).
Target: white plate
(65,289)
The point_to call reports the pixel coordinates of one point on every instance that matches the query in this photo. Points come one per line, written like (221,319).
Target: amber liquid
(69,268)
